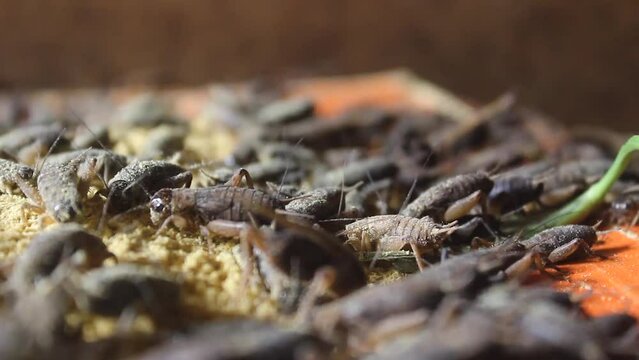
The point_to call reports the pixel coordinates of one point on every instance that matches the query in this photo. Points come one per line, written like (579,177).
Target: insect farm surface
(376,175)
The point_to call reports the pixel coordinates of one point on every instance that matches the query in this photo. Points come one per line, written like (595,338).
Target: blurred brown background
(577,60)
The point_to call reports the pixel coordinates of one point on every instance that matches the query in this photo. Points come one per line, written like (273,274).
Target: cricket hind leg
(182,179)
(322,281)
(177,220)
(421,263)
(463,206)
(236,179)
(565,251)
(533,259)
(221,228)
(251,237)
(35,202)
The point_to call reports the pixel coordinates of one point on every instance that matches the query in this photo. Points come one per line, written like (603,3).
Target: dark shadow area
(576,60)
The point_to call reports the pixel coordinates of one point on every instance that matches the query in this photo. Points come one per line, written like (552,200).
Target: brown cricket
(214,208)
(451,198)
(393,232)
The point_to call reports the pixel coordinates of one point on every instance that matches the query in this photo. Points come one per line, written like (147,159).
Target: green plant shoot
(580,208)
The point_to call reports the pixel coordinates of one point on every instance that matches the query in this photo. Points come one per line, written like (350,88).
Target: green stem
(580,208)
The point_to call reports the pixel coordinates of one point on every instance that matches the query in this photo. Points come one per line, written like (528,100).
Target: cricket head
(160,205)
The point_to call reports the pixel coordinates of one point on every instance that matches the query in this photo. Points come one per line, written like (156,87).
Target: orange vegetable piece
(612,284)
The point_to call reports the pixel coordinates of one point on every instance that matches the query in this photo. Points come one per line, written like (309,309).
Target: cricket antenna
(38,168)
(414,184)
(137,182)
(77,118)
(341,198)
(105,207)
(376,256)
(377,194)
(103,216)
(341,195)
(409,195)
(279,188)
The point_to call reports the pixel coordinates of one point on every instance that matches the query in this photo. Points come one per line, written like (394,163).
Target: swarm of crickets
(259,229)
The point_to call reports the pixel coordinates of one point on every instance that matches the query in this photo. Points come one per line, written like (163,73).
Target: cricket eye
(157,205)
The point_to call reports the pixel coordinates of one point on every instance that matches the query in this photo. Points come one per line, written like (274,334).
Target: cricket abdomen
(232,203)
